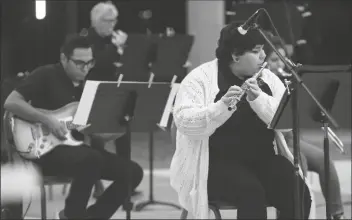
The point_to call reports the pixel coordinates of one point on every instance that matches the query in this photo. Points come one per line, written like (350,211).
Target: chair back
(7,127)
(7,145)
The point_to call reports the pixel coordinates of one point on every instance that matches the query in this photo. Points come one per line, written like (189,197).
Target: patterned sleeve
(265,105)
(191,114)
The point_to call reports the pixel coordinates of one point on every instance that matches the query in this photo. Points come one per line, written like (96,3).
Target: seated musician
(227,154)
(108,44)
(52,87)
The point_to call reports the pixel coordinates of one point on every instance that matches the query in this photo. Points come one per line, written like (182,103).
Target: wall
(164,13)
(205,18)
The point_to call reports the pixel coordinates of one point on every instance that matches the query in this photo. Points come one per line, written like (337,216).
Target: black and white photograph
(176,109)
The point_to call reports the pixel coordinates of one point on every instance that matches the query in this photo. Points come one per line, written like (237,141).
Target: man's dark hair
(73,42)
(232,42)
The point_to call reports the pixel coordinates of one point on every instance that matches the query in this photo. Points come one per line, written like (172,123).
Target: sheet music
(84,112)
(169,104)
(86,102)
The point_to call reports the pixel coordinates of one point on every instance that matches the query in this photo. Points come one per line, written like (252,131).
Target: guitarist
(51,87)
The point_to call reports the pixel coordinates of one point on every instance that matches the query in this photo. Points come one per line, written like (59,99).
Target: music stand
(171,55)
(136,58)
(108,109)
(152,97)
(327,90)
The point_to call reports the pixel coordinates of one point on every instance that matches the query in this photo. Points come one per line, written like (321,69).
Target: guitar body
(32,140)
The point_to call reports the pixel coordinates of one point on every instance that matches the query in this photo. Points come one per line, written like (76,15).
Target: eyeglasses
(82,64)
(109,21)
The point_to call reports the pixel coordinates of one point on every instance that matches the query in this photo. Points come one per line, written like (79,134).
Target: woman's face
(274,62)
(250,62)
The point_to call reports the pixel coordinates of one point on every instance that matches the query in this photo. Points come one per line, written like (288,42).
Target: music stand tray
(151,102)
(108,108)
(100,112)
(325,90)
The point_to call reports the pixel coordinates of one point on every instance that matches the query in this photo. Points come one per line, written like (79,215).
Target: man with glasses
(51,87)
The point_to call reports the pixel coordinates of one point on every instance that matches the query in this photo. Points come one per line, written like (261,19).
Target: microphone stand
(298,82)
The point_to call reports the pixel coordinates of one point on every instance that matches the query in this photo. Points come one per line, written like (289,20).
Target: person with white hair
(108,44)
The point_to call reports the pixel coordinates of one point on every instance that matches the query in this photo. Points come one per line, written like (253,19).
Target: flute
(245,87)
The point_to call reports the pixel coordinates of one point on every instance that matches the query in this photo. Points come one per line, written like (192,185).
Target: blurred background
(317,32)
(324,25)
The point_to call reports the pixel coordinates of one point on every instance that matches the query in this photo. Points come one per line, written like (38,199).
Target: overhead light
(40,9)
(301,42)
(300,8)
(230,13)
(306,14)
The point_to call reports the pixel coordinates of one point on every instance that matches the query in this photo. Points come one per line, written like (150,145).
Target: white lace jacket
(196,117)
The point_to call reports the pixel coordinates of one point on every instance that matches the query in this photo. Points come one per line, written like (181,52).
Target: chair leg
(277,214)
(184,214)
(216,211)
(51,193)
(43,201)
(64,189)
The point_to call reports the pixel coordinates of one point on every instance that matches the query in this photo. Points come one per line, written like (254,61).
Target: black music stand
(171,55)
(138,54)
(152,98)
(109,110)
(327,90)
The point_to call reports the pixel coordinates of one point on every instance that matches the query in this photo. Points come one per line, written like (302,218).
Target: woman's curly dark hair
(232,42)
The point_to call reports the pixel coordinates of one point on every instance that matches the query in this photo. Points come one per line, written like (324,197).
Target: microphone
(283,73)
(249,23)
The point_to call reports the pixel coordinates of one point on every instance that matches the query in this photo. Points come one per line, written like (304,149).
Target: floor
(163,191)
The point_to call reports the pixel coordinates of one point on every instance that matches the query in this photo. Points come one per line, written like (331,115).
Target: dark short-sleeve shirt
(49,87)
(105,55)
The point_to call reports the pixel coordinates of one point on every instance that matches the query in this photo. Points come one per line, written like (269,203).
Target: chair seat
(52,180)
(216,206)
(222,205)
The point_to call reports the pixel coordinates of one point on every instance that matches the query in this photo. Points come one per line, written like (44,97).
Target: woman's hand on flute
(253,89)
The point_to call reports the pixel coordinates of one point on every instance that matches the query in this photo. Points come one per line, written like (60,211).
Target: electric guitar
(32,140)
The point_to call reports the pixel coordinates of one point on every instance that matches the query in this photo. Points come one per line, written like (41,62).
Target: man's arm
(31,89)
(17,104)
